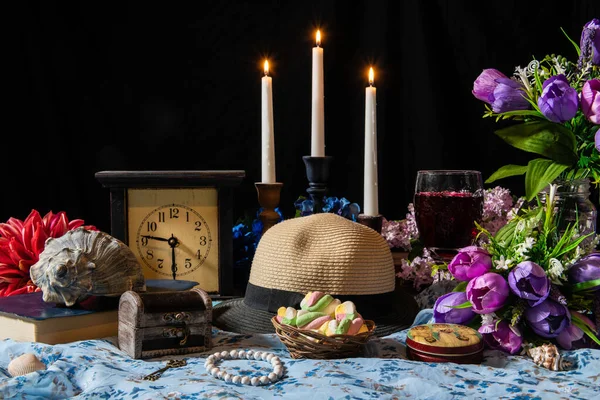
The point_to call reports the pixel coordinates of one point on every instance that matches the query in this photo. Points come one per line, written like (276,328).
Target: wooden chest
(156,324)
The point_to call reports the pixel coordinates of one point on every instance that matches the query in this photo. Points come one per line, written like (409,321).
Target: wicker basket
(309,344)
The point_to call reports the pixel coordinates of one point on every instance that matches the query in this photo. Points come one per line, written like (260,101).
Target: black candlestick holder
(268,198)
(317,172)
(374,222)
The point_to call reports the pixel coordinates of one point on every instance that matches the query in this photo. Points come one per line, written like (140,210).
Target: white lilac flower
(503,263)
(487,319)
(523,75)
(556,268)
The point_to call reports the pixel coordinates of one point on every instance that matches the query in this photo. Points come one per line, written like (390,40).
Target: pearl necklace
(272,377)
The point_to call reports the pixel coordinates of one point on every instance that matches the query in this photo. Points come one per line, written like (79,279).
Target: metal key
(170,364)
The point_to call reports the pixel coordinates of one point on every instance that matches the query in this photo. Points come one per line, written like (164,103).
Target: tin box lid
(444,339)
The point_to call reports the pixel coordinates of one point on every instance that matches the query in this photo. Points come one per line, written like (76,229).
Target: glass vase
(574,206)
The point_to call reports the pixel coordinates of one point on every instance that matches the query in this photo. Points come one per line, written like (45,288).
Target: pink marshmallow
(317,322)
(355,326)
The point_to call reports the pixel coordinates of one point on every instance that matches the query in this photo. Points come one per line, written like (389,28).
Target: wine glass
(447,203)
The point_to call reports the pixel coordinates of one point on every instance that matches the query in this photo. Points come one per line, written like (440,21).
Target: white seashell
(25,364)
(84,263)
(548,356)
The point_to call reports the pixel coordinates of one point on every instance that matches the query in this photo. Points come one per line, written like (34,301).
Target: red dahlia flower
(21,243)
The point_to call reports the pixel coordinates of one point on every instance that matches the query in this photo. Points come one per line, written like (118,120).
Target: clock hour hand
(155,238)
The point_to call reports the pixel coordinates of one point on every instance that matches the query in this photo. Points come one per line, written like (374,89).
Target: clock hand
(155,238)
(173,242)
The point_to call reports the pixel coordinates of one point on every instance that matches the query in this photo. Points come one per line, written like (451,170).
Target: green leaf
(577,49)
(586,329)
(506,171)
(540,172)
(545,138)
(460,287)
(531,113)
(579,287)
(466,304)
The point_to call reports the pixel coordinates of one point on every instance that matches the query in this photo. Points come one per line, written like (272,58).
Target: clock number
(161,216)
(144,241)
(187,216)
(198,255)
(198,226)
(188,263)
(149,254)
(202,240)
(173,213)
(160,263)
(152,225)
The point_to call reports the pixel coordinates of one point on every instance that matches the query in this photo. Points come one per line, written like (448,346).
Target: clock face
(174,234)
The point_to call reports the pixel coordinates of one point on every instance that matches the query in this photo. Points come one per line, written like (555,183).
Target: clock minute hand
(156,238)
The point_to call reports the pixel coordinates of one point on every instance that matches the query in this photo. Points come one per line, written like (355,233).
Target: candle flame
(318,37)
(371,76)
(266,67)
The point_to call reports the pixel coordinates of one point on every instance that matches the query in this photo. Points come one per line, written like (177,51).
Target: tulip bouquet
(527,284)
(557,104)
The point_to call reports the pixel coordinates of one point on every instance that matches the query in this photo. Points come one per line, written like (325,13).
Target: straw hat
(324,252)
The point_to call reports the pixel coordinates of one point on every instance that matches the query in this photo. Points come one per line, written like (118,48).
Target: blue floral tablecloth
(97,369)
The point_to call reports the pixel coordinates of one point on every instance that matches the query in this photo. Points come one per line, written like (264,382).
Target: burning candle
(317,148)
(268,140)
(371,206)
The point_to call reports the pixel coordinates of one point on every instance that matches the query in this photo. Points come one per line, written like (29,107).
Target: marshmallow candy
(311,319)
(286,315)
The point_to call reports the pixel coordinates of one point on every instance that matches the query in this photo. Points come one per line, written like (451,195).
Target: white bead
(233,353)
(263,380)
(227,378)
(245,380)
(273,377)
(210,358)
(258,355)
(209,366)
(254,381)
(265,356)
(242,354)
(276,364)
(214,371)
(269,357)
(217,355)
(275,360)
(220,374)
(250,354)
(236,379)
(224,354)
(278,371)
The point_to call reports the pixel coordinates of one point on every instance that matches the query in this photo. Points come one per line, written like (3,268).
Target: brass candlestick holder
(374,222)
(268,198)
(317,172)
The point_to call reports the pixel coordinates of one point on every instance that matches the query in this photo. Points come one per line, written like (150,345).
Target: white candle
(268,139)
(317,146)
(371,206)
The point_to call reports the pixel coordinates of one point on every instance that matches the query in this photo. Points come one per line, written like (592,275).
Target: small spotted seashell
(233,353)
(25,364)
(224,354)
(236,379)
(273,377)
(264,380)
(245,380)
(254,381)
(242,354)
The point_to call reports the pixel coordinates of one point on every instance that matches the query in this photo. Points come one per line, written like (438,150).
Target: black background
(176,85)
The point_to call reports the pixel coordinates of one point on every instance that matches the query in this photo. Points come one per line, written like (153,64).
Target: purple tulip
(548,319)
(597,140)
(529,281)
(499,335)
(585,269)
(509,95)
(590,42)
(469,263)
(559,101)
(485,84)
(444,313)
(590,103)
(572,337)
(487,293)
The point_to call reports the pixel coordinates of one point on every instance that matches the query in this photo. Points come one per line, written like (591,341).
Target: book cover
(28,317)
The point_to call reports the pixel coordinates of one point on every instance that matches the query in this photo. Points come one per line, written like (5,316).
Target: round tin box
(444,343)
